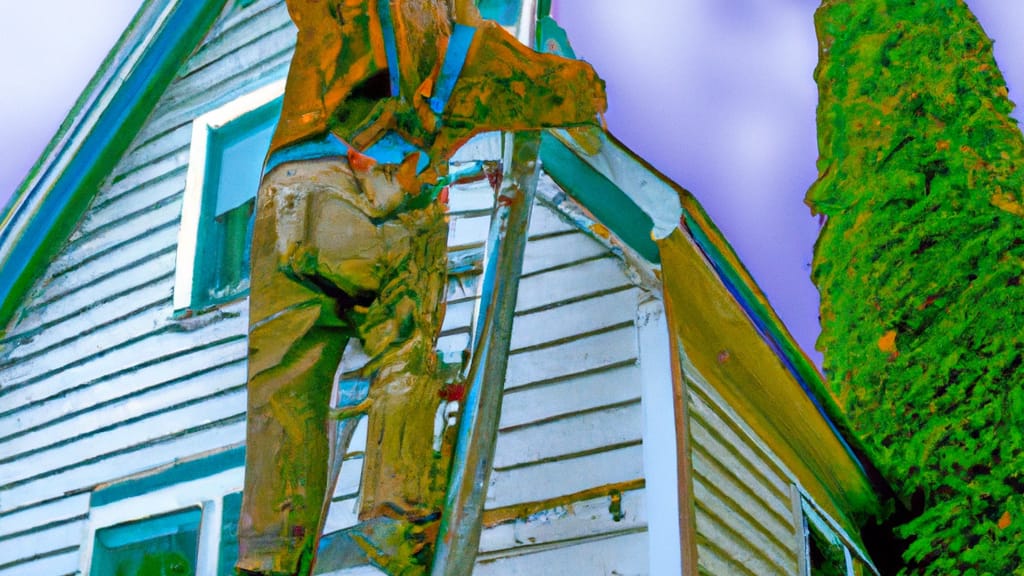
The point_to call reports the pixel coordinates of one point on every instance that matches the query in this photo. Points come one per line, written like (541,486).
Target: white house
(657,418)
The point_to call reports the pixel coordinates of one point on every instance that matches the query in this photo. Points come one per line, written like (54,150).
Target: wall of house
(100,382)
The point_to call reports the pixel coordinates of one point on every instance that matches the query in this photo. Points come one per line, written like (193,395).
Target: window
(826,550)
(165,544)
(179,521)
(229,145)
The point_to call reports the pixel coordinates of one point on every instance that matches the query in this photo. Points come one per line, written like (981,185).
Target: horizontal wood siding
(623,554)
(745,520)
(571,419)
(97,380)
(563,535)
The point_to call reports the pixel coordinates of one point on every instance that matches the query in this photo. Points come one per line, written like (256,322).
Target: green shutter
(229,534)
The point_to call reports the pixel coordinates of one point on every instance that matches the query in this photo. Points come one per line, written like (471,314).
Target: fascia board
(650,191)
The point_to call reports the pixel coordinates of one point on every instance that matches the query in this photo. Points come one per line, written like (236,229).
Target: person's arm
(338,49)
(504,85)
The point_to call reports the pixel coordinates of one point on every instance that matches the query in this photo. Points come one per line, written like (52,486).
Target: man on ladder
(349,244)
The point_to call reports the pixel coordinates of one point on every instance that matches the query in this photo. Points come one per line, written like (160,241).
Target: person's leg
(286,459)
(295,344)
(402,476)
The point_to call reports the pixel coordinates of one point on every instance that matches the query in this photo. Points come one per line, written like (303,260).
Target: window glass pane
(229,535)
(501,11)
(233,231)
(828,557)
(242,150)
(164,545)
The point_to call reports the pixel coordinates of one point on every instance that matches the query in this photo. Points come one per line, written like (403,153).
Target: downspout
(461,523)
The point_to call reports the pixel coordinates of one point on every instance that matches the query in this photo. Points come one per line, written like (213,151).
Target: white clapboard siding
(594,353)
(112,264)
(549,252)
(247,27)
(88,295)
(138,175)
(22,373)
(584,432)
(102,316)
(170,371)
(626,555)
(59,537)
(140,191)
(53,376)
(563,285)
(590,315)
(467,231)
(145,166)
(99,381)
(185,443)
(96,446)
(745,522)
(545,221)
(556,438)
(61,564)
(458,316)
(112,237)
(156,400)
(55,511)
(471,197)
(271,64)
(89,299)
(548,480)
(107,209)
(589,518)
(610,387)
(126,209)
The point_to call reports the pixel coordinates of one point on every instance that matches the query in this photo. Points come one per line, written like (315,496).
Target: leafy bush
(920,268)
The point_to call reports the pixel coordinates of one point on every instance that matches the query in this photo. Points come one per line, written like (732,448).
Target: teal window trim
(175,474)
(235,154)
(826,550)
(229,146)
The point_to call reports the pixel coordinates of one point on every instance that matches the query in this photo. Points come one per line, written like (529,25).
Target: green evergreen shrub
(920,268)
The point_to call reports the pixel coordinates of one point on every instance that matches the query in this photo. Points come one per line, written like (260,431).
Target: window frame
(809,516)
(206,492)
(203,129)
(144,528)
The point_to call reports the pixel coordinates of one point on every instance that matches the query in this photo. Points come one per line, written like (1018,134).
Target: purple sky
(717,94)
